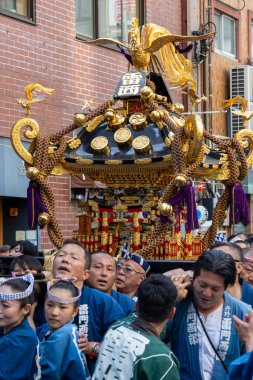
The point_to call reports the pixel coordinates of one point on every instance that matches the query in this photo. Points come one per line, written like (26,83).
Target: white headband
(63,300)
(20,295)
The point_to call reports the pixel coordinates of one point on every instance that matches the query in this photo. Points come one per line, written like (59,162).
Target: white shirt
(206,353)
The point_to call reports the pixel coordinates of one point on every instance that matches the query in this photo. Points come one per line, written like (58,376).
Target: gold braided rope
(45,164)
(235,154)
(218,215)
(179,166)
(238,150)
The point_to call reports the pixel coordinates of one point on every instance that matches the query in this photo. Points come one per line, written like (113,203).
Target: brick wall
(220,64)
(49,53)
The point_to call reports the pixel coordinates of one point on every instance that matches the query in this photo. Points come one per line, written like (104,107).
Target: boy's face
(58,314)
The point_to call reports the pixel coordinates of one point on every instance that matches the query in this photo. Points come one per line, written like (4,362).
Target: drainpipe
(210,98)
(184,13)
(205,76)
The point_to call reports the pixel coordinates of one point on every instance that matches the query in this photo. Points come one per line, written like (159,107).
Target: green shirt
(129,354)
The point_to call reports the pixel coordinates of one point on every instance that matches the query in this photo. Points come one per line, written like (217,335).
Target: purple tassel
(180,49)
(187,193)
(34,204)
(239,209)
(126,55)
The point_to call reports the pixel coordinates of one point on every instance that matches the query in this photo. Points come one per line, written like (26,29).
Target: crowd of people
(95,318)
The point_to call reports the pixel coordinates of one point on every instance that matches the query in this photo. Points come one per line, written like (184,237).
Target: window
(107,18)
(22,9)
(225,39)
(251,42)
(250,36)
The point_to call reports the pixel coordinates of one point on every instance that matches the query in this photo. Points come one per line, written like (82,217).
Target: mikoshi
(140,139)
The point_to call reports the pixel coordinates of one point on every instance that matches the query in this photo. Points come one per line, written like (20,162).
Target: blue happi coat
(60,357)
(126,302)
(247,293)
(97,312)
(182,333)
(242,368)
(19,349)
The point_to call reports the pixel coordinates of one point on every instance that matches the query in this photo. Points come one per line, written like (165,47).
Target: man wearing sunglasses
(131,272)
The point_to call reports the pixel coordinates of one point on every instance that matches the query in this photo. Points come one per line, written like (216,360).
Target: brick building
(228,71)
(233,47)
(42,42)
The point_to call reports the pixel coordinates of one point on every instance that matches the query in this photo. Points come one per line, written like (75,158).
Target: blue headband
(127,255)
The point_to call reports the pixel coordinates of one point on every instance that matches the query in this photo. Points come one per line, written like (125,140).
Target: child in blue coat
(18,342)
(60,357)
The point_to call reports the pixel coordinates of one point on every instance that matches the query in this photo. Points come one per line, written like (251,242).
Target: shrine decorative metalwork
(139,138)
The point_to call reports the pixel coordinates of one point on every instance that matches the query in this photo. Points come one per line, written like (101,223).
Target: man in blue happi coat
(102,277)
(132,270)
(202,333)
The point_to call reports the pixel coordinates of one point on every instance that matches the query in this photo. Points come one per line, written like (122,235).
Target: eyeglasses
(127,269)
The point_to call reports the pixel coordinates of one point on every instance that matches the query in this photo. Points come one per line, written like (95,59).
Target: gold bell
(169,139)
(156,115)
(32,173)
(165,209)
(110,114)
(79,119)
(43,219)
(180,180)
(146,92)
(179,107)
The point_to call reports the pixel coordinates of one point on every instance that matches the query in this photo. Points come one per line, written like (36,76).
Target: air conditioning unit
(241,83)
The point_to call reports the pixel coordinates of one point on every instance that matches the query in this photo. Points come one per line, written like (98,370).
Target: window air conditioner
(241,83)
